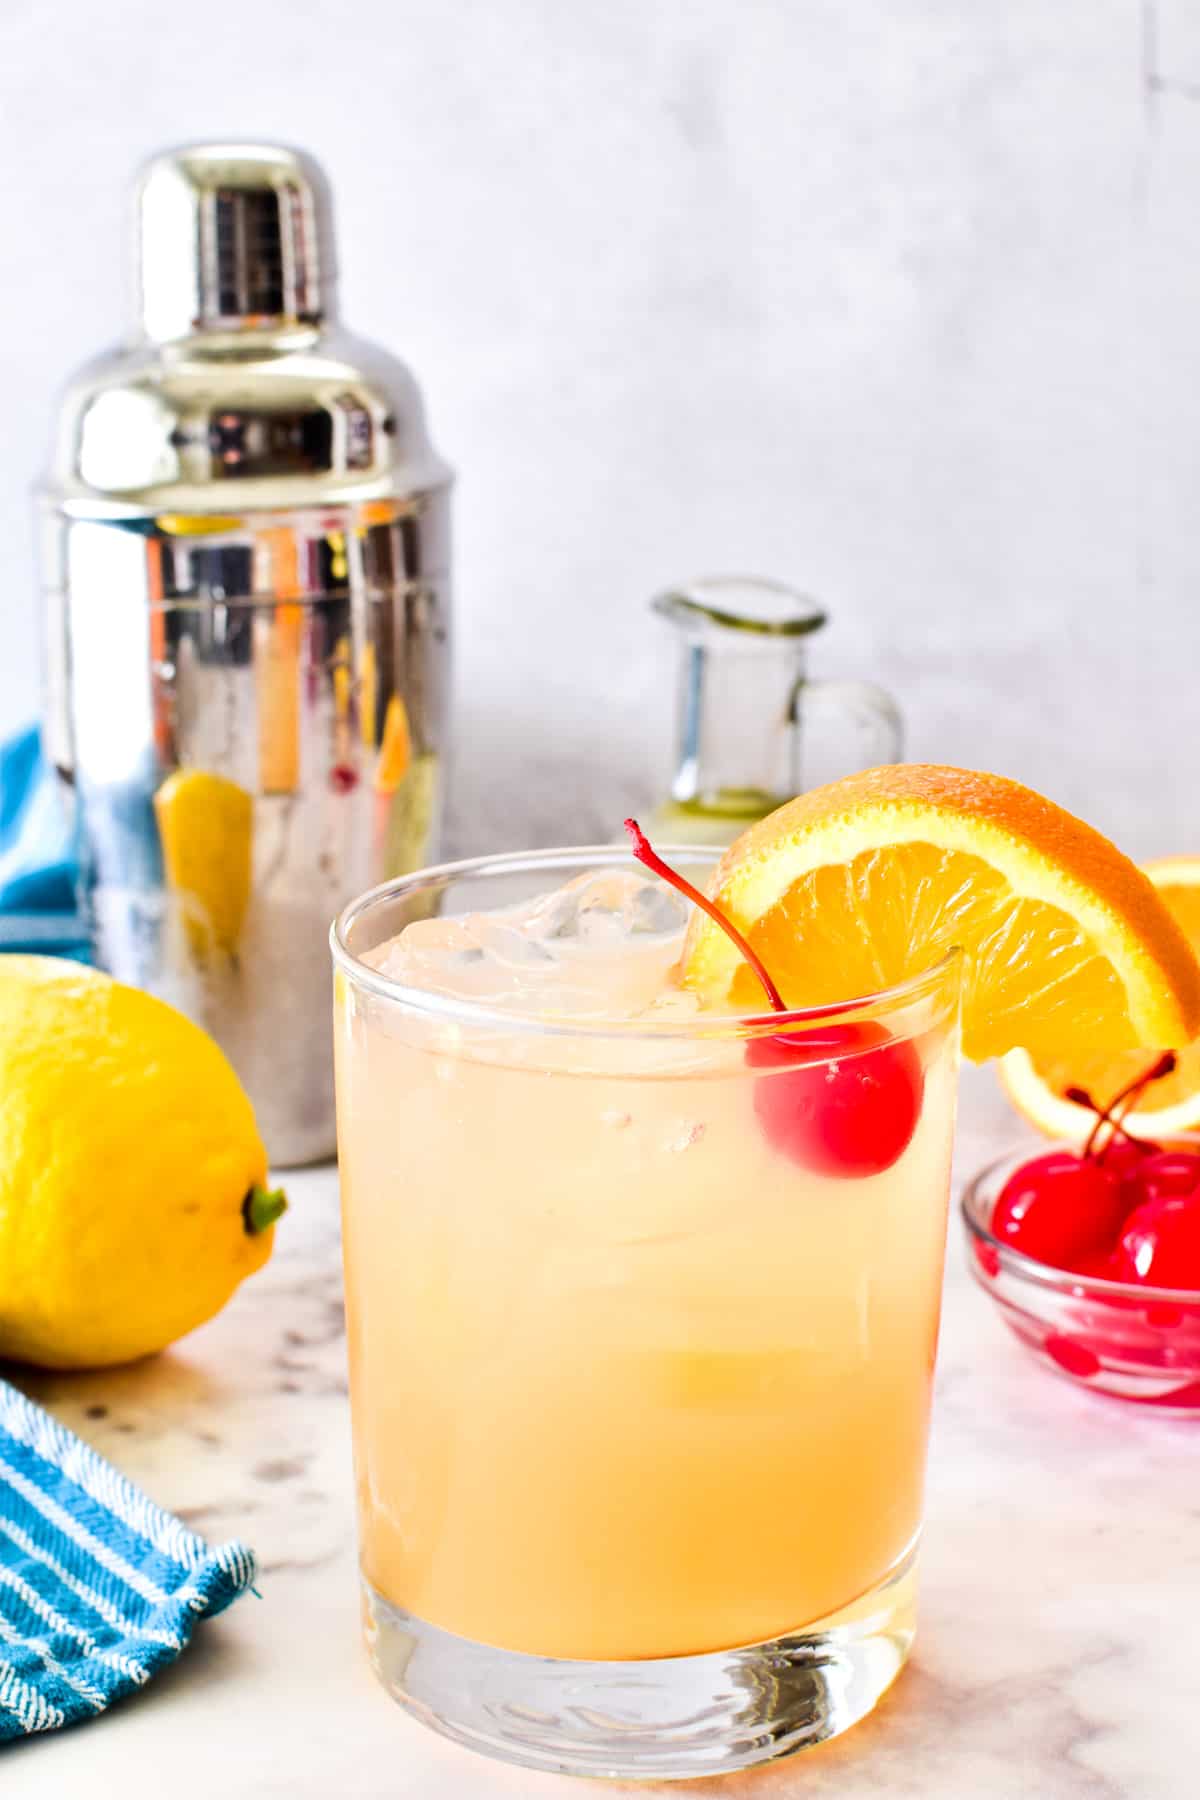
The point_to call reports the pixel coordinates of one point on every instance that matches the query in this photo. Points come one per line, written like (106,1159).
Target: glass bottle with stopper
(754,728)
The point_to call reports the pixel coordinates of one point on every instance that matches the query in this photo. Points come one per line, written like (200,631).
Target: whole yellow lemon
(132,1196)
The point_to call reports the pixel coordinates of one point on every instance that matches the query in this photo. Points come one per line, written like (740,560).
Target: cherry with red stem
(1122,1153)
(648,856)
(1122,1102)
(1120,1136)
(1159,1242)
(840,1099)
(1067,1208)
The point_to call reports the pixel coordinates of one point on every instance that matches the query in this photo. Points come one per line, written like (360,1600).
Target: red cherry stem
(1079,1096)
(1129,1095)
(645,854)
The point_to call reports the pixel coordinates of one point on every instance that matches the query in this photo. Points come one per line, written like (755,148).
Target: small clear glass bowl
(1114,1337)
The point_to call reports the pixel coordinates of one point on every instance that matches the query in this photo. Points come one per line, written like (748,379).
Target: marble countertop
(1059,1645)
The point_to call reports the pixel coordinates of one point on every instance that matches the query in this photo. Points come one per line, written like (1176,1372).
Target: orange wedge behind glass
(1036,1086)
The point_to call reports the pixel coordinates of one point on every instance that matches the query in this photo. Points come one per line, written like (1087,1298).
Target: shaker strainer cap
(231,235)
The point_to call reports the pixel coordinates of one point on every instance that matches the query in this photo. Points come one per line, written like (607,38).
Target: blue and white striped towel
(37,857)
(99,1588)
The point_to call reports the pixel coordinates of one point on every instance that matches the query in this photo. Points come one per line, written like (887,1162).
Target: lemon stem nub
(261,1207)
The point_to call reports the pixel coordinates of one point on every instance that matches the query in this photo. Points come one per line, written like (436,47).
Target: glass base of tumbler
(673,1716)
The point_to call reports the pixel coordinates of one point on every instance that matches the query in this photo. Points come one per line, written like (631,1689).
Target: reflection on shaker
(279,643)
(206,826)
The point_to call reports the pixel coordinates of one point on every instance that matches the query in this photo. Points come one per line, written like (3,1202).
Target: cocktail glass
(640,1403)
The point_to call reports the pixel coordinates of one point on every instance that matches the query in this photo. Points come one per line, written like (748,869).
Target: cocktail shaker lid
(230,235)
(238,389)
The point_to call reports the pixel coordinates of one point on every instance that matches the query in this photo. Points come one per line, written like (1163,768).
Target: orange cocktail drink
(641,1348)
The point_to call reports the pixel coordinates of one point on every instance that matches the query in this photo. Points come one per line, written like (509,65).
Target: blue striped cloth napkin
(99,1588)
(38,871)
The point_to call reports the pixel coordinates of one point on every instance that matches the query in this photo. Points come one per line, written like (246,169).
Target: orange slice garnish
(854,887)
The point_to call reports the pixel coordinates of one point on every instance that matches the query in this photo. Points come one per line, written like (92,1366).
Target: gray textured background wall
(899,300)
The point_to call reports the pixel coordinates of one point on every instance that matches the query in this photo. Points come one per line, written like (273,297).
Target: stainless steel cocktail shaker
(246,568)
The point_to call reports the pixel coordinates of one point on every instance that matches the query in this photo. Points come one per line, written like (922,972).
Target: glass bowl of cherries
(1092,1255)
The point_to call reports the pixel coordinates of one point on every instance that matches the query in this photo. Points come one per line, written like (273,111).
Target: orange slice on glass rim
(1037,1085)
(854,887)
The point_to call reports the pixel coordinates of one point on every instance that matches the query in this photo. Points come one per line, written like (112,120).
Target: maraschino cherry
(852,1110)
(1160,1243)
(849,1097)
(1060,1208)
(1167,1175)
(1066,1207)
